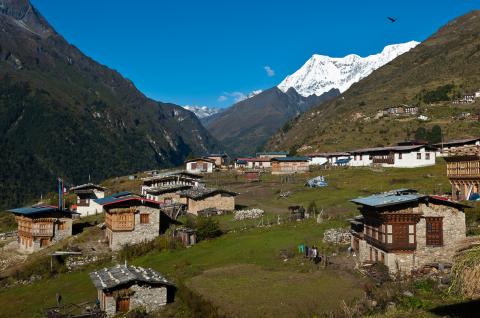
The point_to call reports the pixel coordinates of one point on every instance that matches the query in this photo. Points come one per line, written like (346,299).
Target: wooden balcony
(392,246)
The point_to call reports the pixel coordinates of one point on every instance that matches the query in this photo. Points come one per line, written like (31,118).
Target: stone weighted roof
(109,278)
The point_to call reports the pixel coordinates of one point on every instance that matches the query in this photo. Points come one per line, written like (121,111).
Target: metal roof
(329,154)
(456,142)
(38,209)
(343,161)
(289,159)
(394,197)
(113,197)
(108,278)
(392,148)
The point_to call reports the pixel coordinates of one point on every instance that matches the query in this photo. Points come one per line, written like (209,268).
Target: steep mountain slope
(322,73)
(247,125)
(430,75)
(63,114)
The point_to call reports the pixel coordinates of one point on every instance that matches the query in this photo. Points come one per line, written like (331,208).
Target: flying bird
(392,19)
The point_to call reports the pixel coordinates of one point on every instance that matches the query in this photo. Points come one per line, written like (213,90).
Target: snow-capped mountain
(322,73)
(203,111)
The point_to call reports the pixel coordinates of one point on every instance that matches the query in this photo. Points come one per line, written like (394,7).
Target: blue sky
(193,52)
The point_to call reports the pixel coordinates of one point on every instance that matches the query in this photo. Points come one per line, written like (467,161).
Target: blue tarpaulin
(317,182)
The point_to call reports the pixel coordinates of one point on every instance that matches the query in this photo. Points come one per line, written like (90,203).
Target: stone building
(40,226)
(132,220)
(86,196)
(167,194)
(289,165)
(463,172)
(200,198)
(405,230)
(445,148)
(220,159)
(171,179)
(123,288)
(272,154)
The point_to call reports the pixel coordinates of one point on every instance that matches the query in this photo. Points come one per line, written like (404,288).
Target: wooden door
(123,304)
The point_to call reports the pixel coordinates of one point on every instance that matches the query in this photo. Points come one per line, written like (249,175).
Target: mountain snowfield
(322,73)
(203,111)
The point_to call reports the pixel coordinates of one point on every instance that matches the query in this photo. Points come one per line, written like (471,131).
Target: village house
(395,111)
(200,165)
(132,219)
(405,230)
(86,195)
(220,159)
(40,226)
(272,154)
(124,287)
(445,148)
(463,172)
(410,156)
(200,198)
(171,179)
(252,163)
(466,99)
(329,158)
(288,165)
(167,194)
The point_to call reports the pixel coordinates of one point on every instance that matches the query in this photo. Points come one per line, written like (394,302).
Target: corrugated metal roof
(273,153)
(394,197)
(113,197)
(392,148)
(87,186)
(38,209)
(108,278)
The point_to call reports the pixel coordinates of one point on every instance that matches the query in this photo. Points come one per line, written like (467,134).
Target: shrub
(207,228)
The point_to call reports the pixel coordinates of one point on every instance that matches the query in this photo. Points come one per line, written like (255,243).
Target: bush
(207,228)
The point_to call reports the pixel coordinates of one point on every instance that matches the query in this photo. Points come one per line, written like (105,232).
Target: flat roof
(38,209)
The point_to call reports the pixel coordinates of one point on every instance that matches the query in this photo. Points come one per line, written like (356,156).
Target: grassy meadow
(251,270)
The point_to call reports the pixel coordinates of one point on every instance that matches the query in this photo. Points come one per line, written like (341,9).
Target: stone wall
(141,232)
(454,231)
(219,202)
(150,298)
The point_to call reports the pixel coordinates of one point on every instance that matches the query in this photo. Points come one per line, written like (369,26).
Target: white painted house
(329,158)
(200,165)
(410,156)
(86,196)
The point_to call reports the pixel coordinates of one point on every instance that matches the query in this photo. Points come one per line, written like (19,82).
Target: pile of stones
(337,236)
(248,214)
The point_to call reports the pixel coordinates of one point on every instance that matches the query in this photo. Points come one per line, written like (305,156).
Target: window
(62,226)
(400,155)
(419,156)
(427,156)
(194,166)
(434,231)
(144,218)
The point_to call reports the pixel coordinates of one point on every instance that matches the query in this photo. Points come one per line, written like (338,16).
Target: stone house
(123,288)
(289,165)
(40,226)
(171,179)
(167,194)
(200,165)
(86,196)
(201,198)
(132,220)
(405,230)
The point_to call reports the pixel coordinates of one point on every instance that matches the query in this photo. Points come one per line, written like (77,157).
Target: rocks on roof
(168,189)
(197,193)
(120,275)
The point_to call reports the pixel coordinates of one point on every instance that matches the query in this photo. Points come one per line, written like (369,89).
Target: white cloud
(255,92)
(270,72)
(222,98)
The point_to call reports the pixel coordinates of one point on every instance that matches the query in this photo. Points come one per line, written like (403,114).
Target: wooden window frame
(144,218)
(434,231)
(419,156)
